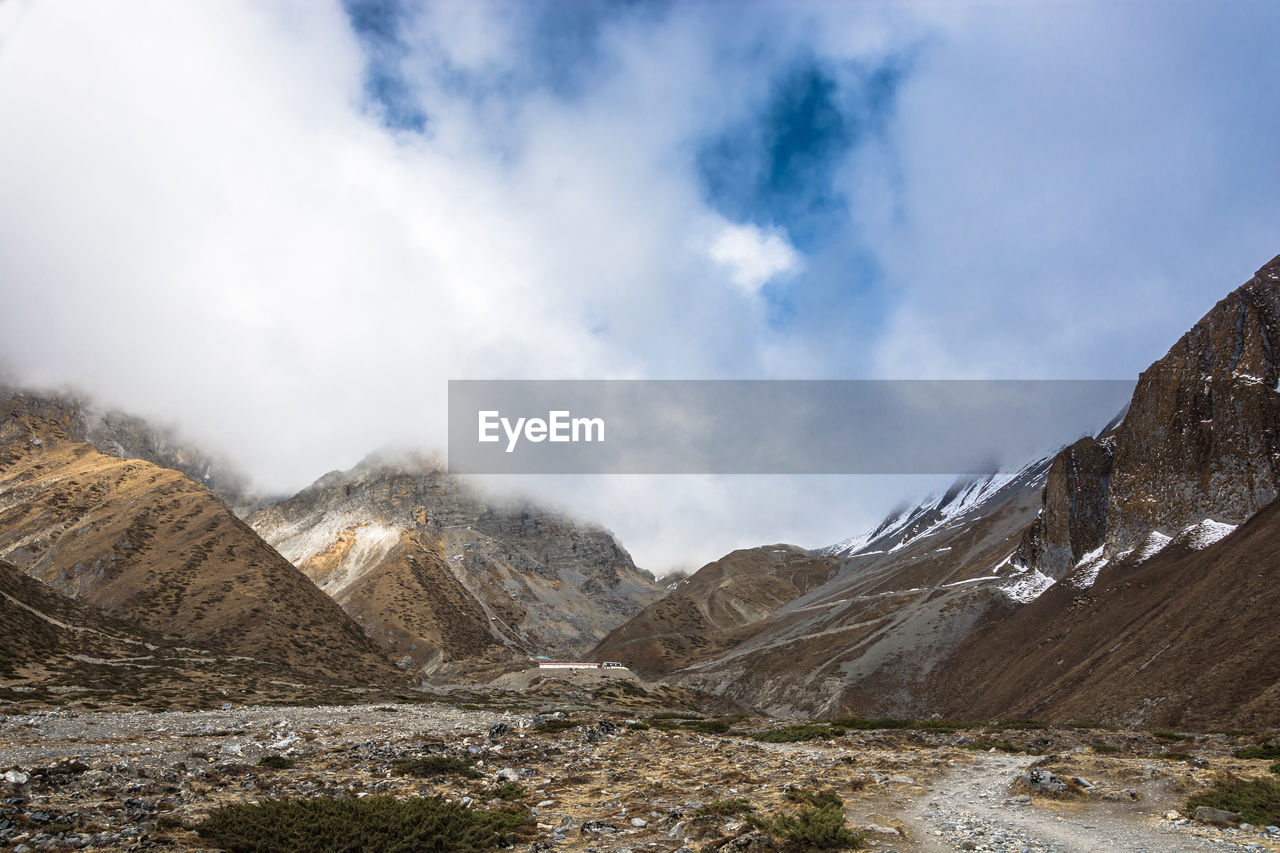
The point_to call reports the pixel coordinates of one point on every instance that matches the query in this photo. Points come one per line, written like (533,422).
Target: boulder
(1042,780)
(1221,817)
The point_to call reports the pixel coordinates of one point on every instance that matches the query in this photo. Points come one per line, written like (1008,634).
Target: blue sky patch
(779,167)
(377,22)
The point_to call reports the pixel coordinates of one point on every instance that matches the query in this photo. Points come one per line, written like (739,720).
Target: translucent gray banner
(769,426)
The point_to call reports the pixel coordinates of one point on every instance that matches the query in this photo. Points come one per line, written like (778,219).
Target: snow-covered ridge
(939,511)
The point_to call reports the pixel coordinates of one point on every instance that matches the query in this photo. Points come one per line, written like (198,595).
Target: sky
(283,226)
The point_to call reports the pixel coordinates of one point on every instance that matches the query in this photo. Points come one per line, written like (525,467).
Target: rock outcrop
(1073,519)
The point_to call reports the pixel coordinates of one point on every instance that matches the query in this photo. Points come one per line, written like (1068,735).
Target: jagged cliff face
(1160,613)
(1200,441)
(1073,519)
(441,578)
(146,544)
(1202,435)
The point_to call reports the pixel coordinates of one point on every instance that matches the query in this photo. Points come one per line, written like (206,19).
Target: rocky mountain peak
(1202,435)
(401,545)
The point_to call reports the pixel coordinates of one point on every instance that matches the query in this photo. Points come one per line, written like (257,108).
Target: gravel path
(972,808)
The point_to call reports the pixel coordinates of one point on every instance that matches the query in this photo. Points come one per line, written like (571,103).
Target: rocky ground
(607,777)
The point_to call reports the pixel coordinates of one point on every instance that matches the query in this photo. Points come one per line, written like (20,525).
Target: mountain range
(1129,577)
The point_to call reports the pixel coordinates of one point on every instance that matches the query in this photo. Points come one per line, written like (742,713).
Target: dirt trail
(970,808)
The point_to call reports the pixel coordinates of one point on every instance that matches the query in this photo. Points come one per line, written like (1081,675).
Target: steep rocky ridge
(146,544)
(442,577)
(1202,435)
(1073,518)
(1199,442)
(1160,613)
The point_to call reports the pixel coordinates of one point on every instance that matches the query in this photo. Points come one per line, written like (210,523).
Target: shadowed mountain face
(442,579)
(716,609)
(1104,583)
(146,544)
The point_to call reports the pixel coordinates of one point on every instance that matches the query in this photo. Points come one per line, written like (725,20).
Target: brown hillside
(147,544)
(715,609)
(1185,639)
(44,631)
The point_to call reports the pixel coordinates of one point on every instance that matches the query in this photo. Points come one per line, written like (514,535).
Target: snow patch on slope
(1152,545)
(1028,587)
(1204,533)
(1086,574)
(1197,537)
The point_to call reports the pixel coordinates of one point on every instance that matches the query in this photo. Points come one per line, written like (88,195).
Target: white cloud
(754,256)
(203,222)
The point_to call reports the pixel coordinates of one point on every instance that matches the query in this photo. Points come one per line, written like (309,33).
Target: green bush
(371,825)
(631,689)
(796,734)
(880,723)
(510,791)
(1256,801)
(436,765)
(726,808)
(556,724)
(1165,735)
(276,762)
(1104,748)
(1268,751)
(714,727)
(1275,768)
(822,828)
(818,799)
(1024,725)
